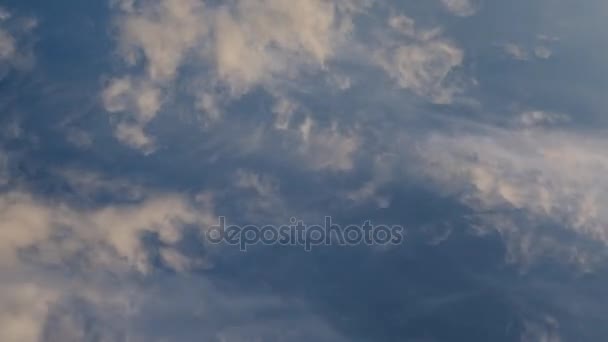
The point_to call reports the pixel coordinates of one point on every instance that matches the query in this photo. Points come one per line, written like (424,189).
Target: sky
(128,127)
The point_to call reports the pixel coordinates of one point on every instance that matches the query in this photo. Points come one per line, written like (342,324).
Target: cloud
(7,46)
(538,117)
(24,307)
(247,42)
(463,8)
(88,274)
(156,35)
(233,48)
(161,32)
(545,331)
(138,103)
(238,45)
(43,239)
(309,108)
(284,110)
(262,186)
(420,61)
(259,195)
(542,52)
(96,308)
(554,175)
(141,99)
(382,173)
(262,40)
(327,148)
(34,224)
(516,51)
(522,53)
(15,42)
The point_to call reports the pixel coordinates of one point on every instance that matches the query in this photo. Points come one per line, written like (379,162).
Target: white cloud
(258,40)
(463,8)
(29,222)
(179,262)
(420,60)
(538,117)
(233,47)
(74,273)
(542,52)
(263,186)
(161,32)
(39,236)
(4,14)
(519,52)
(236,45)
(133,135)
(137,103)
(553,175)
(98,307)
(545,331)
(210,105)
(7,46)
(327,148)
(15,41)
(516,51)
(142,99)
(247,41)
(259,195)
(284,110)
(157,35)
(403,24)
(24,307)
(382,174)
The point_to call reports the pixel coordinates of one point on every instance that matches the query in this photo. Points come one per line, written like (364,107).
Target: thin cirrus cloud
(462,8)
(15,36)
(244,43)
(423,64)
(551,174)
(247,44)
(263,110)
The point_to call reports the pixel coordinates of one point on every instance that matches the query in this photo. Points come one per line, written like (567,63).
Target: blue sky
(127,127)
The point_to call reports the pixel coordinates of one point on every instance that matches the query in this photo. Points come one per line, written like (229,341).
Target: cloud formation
(231,49)
(552,174)
(463,8)
(423,62)
(484,138)
(237,45)
(15,41)
(32,224)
